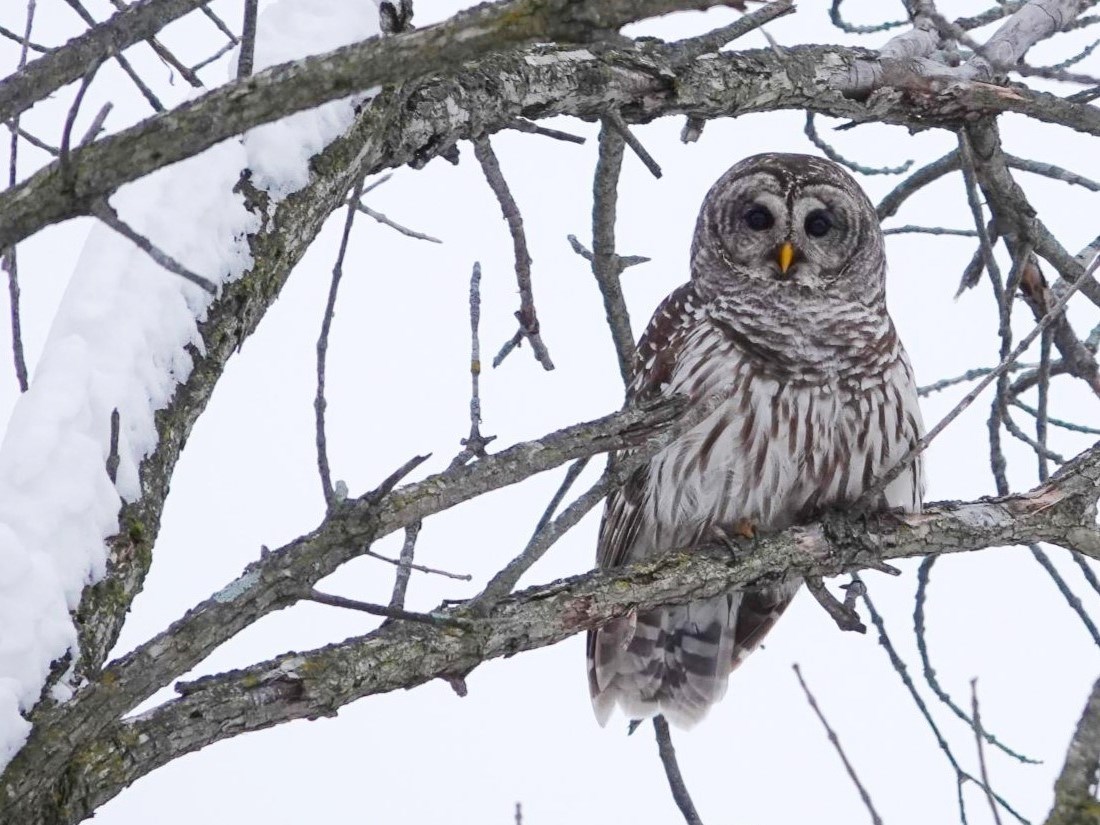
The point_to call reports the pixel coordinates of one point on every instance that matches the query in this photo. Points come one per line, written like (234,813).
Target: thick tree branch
(651,77)
(291,87)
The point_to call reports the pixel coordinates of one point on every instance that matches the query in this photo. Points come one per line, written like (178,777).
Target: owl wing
(654,360)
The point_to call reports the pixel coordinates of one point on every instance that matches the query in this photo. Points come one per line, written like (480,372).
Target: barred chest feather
(783,444)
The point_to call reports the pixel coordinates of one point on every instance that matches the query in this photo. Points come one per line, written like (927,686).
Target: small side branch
(106,213)
(923,577)
(978,732)
(404,566)
(606,265)
(832,154)
(319,401)
(903,673)
(616,121)
(473,446)
(379,610)
(842,613)
(835,741)
(528,318)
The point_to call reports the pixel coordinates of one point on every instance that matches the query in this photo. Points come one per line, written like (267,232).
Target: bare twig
(521,125)
(985,242)
(404,566)
(615,119)
(474,444)
(543,539)
(219,23)
(981,750)
(1072,599)
(38,143)
(1057,422)
(404,230)
(10,259)
(605,262)
(10,263)
(834,740)
(106,213)
(1086,570)
(1049,170)
(852,28)
(903,673)
(319,401)
(1042,414)
(672,771)
(845,617)
(23,41)
(220,53)
(935,170)
(625,261)
(929,230)
(248,40)
(923,575)
(146,92)
(832,154)
(419,567)
(693,48)
(969,375)
(163,53)
(96,126)
(528,319)
(387,612)
(64,167)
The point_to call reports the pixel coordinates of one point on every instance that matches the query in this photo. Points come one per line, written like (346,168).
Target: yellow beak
(786,255)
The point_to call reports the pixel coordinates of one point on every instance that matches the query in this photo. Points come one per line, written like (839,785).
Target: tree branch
(1074,791)
(400,655)
(544,81)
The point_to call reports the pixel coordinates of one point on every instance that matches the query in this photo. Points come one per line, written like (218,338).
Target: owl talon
(745,528)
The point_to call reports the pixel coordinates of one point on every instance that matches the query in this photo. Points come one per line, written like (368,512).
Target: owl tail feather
(672,660)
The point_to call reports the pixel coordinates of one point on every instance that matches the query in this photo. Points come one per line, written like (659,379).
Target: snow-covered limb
(401,655)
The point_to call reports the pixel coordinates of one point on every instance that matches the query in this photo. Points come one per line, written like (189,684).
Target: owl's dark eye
(758,218)
(818,223)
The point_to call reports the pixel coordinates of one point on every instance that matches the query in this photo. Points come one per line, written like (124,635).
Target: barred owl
(784,320)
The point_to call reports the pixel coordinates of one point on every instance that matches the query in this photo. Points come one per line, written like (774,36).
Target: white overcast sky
(398,386)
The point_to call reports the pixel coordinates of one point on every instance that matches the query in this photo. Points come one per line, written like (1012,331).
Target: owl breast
(780,444)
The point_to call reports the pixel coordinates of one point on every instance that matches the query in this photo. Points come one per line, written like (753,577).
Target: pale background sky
(398,384)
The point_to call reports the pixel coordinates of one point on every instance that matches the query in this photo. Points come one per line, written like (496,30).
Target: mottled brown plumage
(784,323)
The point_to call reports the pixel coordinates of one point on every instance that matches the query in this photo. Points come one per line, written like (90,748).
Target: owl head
(788,226)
